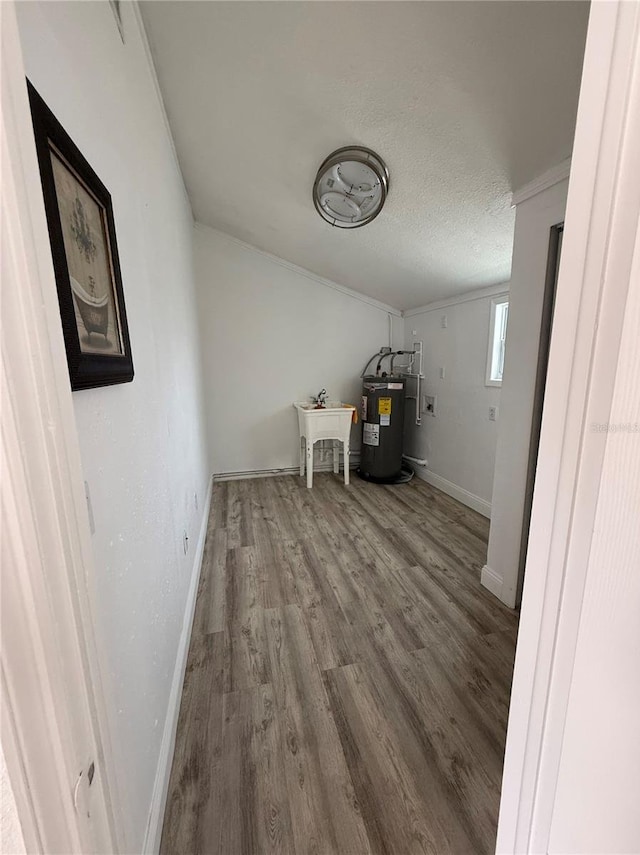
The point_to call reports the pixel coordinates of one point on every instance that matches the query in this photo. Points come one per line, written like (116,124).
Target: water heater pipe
(378,353)
(416,460)
(379,365)
(386,351)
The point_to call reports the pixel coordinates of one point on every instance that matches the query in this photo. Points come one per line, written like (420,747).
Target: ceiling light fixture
(351,187)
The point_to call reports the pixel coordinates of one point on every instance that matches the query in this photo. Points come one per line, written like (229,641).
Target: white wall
(11,837)
(598,793)
(534,218)
(272,334)
(459,442)
(142,444)
(597,798)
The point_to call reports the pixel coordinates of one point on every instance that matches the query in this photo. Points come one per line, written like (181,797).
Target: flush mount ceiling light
(350,187)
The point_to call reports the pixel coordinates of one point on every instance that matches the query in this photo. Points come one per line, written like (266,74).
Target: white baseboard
(153,834)
(354,462)
(469,499)
(492,581)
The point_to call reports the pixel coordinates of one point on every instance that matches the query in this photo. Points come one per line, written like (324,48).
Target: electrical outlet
(442,372)
(444,323)
(195,500)
(493,414)
(429,404)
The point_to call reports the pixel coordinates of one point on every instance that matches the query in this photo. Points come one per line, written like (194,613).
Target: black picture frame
(94,320)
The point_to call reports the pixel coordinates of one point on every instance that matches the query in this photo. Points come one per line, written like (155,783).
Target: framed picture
(85,257)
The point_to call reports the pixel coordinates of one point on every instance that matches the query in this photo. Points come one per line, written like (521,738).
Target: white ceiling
(465,101)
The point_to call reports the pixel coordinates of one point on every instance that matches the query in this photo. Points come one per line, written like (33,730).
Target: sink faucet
(321,398)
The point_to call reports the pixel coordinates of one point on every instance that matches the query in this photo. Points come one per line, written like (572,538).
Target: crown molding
(552,176)
(301,271)
(467,297)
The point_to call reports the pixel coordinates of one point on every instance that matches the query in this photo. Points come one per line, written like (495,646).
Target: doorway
(546,324)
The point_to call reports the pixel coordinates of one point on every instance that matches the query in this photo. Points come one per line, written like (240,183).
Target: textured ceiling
(465,101)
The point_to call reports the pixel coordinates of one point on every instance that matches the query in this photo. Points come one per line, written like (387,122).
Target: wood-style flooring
(348,678)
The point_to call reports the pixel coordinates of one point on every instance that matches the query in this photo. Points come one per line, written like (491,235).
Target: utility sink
(330,422)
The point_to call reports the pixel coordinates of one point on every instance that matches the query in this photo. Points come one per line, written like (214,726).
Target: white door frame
(53,710)
(601,224)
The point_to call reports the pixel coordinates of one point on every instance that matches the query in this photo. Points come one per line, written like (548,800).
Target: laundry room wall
(273,334)
(459,440)
(142,444)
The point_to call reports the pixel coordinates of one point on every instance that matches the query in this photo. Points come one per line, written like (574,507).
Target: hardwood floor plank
(405,804)
(278,584)
(337,550)
(196,765)
(298,504)
(308,593)
(287,524)
(321,567)
(454,578)
(218,513)
(325,813)
(246,495)
(365,531)
(254,806)
(246,660)
(500,647)
(334,555)
(329,633)
(437,610)
(239,522)
(434,510)
(209,612)
(458,753)
(473,685)
(383,506)
(425,499)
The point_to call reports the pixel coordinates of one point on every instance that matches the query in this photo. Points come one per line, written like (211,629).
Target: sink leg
(309,464)
(302,453)
(345,446)
(336,458)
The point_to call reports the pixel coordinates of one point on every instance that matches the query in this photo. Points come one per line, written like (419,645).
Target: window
(497,340)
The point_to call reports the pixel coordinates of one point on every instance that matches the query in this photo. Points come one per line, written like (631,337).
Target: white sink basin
(330,422)
(331,405)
